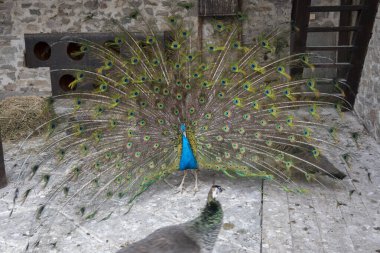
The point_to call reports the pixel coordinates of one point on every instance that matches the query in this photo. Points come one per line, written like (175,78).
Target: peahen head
(214,192)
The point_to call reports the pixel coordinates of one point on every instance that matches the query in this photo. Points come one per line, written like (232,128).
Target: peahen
(195,236)
(159,106)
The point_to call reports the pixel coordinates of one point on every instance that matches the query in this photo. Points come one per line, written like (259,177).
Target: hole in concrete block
(73,50)
(42,50)
(64,82)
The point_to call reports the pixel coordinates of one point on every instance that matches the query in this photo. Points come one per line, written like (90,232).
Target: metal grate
(212,8)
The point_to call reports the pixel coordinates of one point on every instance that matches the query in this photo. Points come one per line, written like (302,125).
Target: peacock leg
(196,181)
(180,187)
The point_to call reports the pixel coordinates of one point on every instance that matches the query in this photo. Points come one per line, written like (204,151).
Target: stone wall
(55,16)
(367,103)
(41,16)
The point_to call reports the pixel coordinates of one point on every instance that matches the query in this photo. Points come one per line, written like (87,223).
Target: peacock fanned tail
(245,115)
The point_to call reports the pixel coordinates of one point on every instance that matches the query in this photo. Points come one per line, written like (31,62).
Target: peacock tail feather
(245,115)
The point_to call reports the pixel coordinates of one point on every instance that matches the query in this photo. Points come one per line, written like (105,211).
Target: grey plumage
(195,236)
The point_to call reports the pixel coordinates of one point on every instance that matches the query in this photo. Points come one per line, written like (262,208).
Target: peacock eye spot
(81,75)
(190,57)
(234,68)
(286,92)
(211,48)
(219,26)
(253,66)
(279,69)
(136,93)
(263,43)
(266,91)
(135,60)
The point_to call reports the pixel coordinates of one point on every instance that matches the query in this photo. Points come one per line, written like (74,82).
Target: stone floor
(342,216)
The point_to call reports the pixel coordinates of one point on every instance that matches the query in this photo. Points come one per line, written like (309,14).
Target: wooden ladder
(351,49)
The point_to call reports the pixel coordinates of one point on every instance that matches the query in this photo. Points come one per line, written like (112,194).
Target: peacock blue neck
(187,161)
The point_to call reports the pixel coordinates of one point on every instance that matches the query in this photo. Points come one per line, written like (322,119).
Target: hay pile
(20,115)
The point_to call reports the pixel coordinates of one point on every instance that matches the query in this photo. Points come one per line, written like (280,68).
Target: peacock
(194,236)
(159,106)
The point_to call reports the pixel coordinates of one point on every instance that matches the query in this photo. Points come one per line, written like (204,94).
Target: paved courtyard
(342,217)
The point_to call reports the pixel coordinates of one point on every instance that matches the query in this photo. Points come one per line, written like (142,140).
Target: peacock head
(183,128)
(214,192)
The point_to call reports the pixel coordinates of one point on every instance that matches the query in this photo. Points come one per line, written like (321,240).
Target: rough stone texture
(40,16)
(367,103)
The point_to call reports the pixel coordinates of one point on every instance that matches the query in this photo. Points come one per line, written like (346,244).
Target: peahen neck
(205,228)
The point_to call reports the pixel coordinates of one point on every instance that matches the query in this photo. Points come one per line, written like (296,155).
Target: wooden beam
(3,177)
(329,48)
(300,19)
(366,21)
(344,38)
(335,8)
(333,65)
(333,28)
